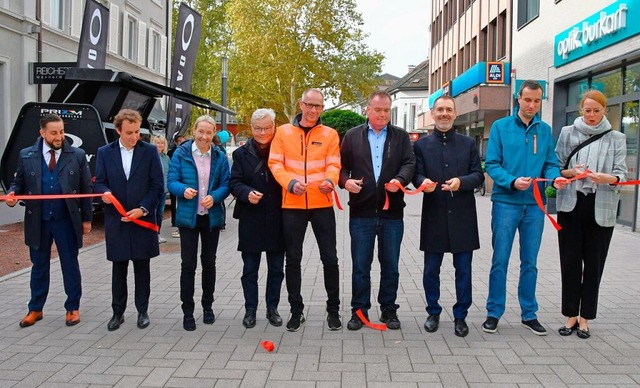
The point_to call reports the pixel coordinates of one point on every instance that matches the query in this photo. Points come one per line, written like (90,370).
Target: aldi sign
(495,72)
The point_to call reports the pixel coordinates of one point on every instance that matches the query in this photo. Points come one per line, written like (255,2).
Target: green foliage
(550,191)
(342,120)
(279,48)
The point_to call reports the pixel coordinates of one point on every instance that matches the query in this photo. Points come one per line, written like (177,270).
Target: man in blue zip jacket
(521,148)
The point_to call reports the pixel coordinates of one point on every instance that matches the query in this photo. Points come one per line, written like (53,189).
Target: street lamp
(225,74)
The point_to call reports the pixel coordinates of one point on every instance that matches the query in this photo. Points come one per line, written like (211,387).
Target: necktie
(52,160)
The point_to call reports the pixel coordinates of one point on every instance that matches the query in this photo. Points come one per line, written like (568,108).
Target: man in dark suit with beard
(52,166)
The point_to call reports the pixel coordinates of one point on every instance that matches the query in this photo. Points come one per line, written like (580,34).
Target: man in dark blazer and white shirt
(131,170)
(52,166)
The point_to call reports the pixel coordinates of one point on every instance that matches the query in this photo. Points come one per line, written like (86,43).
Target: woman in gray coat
(587,208)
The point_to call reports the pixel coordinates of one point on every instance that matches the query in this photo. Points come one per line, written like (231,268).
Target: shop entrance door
(627,209)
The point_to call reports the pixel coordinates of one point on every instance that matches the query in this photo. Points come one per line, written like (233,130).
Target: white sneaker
(161,239)
(176,234)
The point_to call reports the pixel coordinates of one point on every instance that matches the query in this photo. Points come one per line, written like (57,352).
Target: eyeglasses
(594,111)
(261,130)
(313,106)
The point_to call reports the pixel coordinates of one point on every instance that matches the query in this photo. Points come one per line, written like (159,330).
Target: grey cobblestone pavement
(226,354)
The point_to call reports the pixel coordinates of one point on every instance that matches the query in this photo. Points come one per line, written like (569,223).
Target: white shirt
(47,155)
(127,157)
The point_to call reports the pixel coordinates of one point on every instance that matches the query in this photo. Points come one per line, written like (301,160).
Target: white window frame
(130,38)
(156,51)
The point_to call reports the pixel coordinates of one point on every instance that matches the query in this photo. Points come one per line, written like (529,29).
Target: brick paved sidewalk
(226,354)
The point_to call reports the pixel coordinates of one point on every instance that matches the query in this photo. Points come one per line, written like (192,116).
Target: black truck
(87,100)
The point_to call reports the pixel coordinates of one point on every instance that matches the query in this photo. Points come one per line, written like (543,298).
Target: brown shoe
(73,317)
(31,318)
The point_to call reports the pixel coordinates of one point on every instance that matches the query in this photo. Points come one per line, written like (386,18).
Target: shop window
(632,79)
(608,83)
(527,11)
(576,89)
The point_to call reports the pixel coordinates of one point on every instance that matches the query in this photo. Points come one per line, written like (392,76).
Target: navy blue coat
(74,177)
(145,187)
(260,225)
(449,223)
(183,174)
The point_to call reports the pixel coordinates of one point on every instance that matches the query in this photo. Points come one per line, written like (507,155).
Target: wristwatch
(145,212)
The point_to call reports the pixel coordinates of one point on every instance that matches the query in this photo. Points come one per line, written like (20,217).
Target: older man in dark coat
(259,210)
(130,170)
(449,165)
(52,166)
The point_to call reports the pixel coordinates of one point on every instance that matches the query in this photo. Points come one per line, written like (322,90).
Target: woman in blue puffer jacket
(199,178)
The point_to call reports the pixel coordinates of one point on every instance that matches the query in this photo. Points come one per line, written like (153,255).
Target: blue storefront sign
(611,25)
(481,73)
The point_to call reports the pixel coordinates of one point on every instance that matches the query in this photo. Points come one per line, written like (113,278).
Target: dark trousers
(323,223)
(431,282)
(62,232)
(142,279)
(275,275)
(583,251)
(189,253)
(172,207)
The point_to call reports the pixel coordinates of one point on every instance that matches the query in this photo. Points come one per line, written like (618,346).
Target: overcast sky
(397,29)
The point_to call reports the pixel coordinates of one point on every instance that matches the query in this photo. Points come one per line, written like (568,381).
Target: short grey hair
(261,113)
(311,90)
(205,118)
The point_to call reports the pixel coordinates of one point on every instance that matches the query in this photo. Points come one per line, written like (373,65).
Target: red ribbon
(376,326)
(404,190)
(114,202)
(538,197)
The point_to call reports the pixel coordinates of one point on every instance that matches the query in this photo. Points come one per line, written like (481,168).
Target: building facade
(470,61)
(37,31)
(573,46)
(410,97)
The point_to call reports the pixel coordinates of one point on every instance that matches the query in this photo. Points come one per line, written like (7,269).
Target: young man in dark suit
(131,171)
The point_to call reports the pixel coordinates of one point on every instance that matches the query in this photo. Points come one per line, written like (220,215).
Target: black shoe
(295,322)
(432,323)
(460,327)
(143,320)
(584,334)
(249,319)
(565,331)
(189,323)
(208,317)
(115,322)
(274,317)
(490,325)
(391,319)
(355,323)
(535,327)
(334,321)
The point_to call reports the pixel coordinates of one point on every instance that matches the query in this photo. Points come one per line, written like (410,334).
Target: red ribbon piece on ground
(114,202)
(376,326)
(267,345)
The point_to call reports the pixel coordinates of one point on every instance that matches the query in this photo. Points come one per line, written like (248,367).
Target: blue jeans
(275,275)
(431,282)
(363,233)
(160,211)
(505,220)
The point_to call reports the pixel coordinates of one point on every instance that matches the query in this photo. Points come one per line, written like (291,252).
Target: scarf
(588,156)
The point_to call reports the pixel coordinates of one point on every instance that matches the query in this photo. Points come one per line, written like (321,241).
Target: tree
(282,47)
(342,120)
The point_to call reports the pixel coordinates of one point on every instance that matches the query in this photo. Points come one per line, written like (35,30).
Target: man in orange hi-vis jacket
(305,160)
